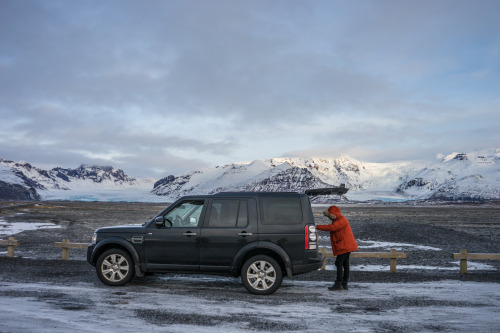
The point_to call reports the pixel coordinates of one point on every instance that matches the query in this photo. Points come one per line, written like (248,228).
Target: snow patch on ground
(369,244)
(471,266)
(12,228)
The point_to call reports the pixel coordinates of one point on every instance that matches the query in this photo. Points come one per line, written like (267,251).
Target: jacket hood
(334,210)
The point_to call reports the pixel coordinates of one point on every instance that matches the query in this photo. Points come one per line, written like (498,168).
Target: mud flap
(138,271)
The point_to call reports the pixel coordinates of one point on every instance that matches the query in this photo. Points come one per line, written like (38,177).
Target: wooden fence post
(463,261)
(11,243)
(65,249)
(11,246)
(393,261)
(323,251)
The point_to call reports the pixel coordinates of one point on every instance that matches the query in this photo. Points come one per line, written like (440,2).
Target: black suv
(258,236)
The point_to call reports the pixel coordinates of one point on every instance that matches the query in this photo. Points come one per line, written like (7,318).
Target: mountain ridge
(473,176)
(470,176)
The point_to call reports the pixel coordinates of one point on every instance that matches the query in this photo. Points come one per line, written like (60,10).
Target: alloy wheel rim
(115,267)
(261,275)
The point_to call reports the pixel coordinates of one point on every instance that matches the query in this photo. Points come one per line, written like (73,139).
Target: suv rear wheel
(261,275)
(115,267)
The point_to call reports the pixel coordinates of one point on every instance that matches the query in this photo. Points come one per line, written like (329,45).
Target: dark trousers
(342,263)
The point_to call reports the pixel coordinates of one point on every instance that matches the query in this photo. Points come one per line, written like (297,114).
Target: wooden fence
(463,256)
(393,255)
(66,245)
(11,243)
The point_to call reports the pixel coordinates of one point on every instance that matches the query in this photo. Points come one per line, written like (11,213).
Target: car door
(174,245)
(231,224)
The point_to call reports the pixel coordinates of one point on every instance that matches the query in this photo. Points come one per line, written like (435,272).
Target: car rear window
(281,210)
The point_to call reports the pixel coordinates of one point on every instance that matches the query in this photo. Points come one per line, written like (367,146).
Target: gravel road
(429,235)
(410,229)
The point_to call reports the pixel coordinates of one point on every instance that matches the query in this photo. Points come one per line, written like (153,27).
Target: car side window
(228,213)
(185,214)
(281,210)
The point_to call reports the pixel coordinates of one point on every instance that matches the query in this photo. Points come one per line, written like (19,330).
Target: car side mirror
(159,221)
(162,221)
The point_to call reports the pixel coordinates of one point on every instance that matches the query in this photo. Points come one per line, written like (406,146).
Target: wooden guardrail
(66,245)
(11,243)
(393,255)
(463,256)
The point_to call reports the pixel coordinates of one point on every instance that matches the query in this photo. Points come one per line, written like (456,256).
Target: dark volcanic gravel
(447,229)
(38,279)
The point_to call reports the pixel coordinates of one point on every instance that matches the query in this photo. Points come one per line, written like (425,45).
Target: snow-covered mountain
(22,181)
(457,177)
(290,174)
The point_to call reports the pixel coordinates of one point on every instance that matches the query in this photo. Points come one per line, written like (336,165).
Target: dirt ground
(448,229)
(427,283)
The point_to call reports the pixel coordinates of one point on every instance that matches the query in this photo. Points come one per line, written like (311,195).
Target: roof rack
(337,190)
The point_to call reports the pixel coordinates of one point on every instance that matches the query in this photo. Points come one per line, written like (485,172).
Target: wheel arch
(118,243)
(263,248)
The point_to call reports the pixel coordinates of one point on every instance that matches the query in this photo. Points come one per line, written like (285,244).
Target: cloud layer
(160,87)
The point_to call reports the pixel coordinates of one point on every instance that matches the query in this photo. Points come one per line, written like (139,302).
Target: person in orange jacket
(343,243)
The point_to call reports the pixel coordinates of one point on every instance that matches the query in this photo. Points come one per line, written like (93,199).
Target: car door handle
(244,234)
(189,233)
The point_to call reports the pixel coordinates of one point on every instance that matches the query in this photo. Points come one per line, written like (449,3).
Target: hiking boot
(344,285)
(336,286)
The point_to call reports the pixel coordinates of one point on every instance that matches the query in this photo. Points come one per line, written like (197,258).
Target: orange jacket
(341,235)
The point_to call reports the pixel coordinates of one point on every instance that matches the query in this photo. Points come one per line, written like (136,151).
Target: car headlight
(94,238)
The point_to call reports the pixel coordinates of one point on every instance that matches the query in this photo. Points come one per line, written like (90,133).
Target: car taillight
(310,237)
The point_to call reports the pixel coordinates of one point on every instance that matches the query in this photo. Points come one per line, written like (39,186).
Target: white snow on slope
(457,176)
(468,176)
(7,175)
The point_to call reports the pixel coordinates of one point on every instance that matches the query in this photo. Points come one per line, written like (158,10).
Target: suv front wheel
(261,275)
(115,267)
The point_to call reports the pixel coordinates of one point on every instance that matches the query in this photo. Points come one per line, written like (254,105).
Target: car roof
(255,194)
(244,194)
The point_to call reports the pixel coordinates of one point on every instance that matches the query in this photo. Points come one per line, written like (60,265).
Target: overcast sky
(164,87)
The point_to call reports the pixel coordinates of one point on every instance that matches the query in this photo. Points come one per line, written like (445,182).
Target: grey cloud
(75,75)
(208,59)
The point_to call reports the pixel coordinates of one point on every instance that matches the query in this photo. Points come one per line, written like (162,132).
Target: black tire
(115,267)
(261,275)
